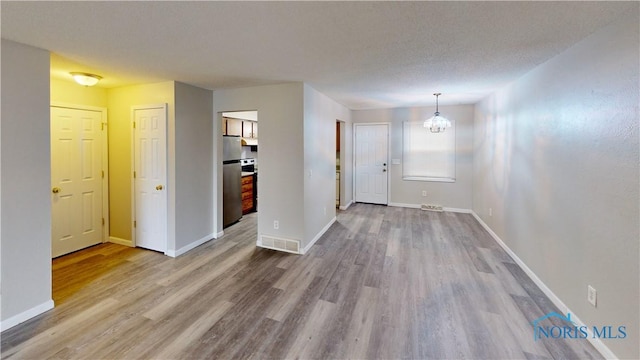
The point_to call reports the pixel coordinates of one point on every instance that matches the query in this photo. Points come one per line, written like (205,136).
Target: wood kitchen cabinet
(231,126)
(250,129)
(248,198)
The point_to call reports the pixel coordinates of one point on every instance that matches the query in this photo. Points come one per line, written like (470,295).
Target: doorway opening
(340,131)
(240,164)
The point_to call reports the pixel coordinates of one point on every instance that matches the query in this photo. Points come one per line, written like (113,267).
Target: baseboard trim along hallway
(26,315)
(595,341)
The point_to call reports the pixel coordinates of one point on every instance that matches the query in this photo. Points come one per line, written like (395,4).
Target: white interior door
(150,177)
(76,179)
(372,147)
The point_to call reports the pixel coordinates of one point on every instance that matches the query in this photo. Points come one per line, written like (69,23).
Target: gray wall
(409,193)
(194,164)
(281,148)
(26,181)
(556,158)
(320,115)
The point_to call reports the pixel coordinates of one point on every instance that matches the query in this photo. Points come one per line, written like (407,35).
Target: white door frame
(353,163)
(133,168)
(105,159)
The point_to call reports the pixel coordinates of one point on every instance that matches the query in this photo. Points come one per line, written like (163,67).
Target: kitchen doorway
(240,164)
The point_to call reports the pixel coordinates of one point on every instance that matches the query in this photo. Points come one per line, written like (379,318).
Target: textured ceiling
(362,54)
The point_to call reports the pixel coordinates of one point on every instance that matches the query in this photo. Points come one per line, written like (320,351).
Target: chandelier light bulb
(437,123)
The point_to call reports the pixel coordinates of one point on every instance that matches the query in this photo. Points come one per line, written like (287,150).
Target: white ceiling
(361,54)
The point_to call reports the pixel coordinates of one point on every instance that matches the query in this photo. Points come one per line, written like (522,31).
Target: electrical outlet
(592,295)
(424,192)
(276,224)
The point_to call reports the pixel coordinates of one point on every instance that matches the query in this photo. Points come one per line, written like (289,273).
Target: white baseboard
(596,342)
(411,206)
(218,235)
(457,210)
(26,315)
(417,206)
(184,249)
(116,240)
(345,207)
(318,236)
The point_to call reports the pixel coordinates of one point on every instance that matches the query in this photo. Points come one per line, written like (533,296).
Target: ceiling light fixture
(85,79)
(437,123)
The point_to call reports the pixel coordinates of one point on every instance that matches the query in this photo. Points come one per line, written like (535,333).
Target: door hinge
(134,124)
(102,221)
(103,174)
(102,126)
(135,223)
(134,174)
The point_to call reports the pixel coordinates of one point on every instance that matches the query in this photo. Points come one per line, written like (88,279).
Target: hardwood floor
(383,283)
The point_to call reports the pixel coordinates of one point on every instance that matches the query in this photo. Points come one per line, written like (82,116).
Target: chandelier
(437,123)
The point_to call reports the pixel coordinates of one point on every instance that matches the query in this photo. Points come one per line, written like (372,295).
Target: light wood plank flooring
(383,283)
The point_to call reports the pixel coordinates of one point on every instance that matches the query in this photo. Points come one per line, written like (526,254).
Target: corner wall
(320,115)
(456,195)
(557,160)
(194,170)
(281,148)
(25,204)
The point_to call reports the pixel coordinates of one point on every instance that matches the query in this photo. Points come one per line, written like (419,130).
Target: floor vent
(430,207)
(288,245)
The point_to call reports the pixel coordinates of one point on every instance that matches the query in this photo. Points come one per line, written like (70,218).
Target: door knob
(384,170)
(159,187)
(385,164)
(55,190)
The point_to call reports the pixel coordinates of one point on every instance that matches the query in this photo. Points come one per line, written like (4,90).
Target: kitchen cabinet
(248,194)
(231,126)
(250,129)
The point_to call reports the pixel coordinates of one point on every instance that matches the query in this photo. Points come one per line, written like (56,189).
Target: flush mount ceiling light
(85,79)
(437,123)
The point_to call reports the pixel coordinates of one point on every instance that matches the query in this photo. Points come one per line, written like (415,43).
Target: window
(427,156)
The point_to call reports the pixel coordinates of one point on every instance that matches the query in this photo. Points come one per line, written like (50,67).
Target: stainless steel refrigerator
(231,180)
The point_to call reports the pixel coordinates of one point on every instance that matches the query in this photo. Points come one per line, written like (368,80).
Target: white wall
(281,148)
(320,115)
(194,165)
(557,159)
(409,193)
(26,182)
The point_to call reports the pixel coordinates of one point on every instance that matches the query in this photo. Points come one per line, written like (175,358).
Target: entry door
(150,177)
(76,179)
(372,143)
